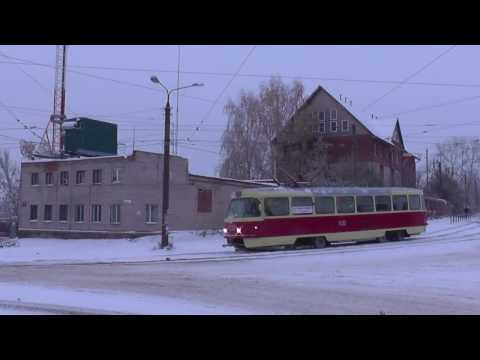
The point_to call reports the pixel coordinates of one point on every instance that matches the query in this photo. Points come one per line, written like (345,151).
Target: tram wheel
(320,242)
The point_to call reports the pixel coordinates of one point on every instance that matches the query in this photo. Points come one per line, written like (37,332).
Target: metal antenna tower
(52,142)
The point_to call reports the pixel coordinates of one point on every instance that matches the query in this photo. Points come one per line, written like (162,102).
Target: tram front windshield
(244,208)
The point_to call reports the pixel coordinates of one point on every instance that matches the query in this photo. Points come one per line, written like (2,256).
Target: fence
(459,218)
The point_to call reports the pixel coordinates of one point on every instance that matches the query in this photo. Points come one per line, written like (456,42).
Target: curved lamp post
(166,158)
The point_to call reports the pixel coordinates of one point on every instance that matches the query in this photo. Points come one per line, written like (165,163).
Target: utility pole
(175,143)
(426,156)
(166,159)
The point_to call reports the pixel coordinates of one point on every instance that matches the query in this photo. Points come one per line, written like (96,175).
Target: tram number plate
(342,223)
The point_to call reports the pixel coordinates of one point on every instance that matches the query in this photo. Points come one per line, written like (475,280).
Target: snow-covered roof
(39,161)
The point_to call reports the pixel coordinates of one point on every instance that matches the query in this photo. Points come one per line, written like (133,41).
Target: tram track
(439,236)
(444,237)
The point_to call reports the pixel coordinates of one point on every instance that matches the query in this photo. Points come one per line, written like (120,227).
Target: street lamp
(166,158)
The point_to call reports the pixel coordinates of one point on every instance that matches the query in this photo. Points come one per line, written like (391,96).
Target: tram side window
(325,205)
(302,206)
(414,201)
(400,202)
(277,207)
(383,203)
(364,204)
(345,204)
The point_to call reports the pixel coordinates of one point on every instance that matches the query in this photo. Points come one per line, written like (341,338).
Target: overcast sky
(127,97)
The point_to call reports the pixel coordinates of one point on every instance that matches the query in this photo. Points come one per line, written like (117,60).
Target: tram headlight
(225,230)
(239,230)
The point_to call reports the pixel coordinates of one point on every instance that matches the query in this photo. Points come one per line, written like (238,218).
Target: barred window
(97,176)
(80,177)
(115,214)
(35,179)
(79,213)
(33,212)
(47,213)
(48,178)
(64,178)
(63,213)
(96,213)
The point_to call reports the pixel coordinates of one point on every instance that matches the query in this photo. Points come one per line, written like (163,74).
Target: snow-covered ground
(186,243)
(38,250)
(437,272)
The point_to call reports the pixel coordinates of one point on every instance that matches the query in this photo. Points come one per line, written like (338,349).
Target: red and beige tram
(317,217)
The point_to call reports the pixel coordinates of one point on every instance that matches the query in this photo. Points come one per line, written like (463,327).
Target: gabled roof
(381,131)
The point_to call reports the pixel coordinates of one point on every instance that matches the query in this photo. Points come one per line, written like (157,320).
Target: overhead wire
(417,72)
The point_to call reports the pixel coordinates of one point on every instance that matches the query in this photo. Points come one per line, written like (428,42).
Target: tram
(317,217)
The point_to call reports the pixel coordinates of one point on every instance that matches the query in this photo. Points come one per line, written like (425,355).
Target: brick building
(117,196)
(325,144)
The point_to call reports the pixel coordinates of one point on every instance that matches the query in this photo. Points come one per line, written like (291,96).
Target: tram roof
(315,191)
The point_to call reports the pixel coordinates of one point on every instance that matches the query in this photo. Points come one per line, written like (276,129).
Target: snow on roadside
(113,301)
(39,250)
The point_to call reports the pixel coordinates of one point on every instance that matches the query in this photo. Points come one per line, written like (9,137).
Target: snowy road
(421,276)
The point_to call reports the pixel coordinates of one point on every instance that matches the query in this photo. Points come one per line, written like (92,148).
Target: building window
(321,116)
(375,150)
(79,213)
(47,214)
(333,114)
(48,178)
(64,178)
(333,126)
(97,176)
(115,214)
(63,213)
(204,201)
(33,212)
(35,179)
(116,176)
(151,214)
(80,177)
(322,127)
(344,125)
(96,213)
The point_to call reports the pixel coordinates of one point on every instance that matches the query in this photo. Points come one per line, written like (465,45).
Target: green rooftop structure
(88,137)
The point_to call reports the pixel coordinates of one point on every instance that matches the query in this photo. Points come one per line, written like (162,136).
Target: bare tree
(27,148)
(9,184)
(253,121)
